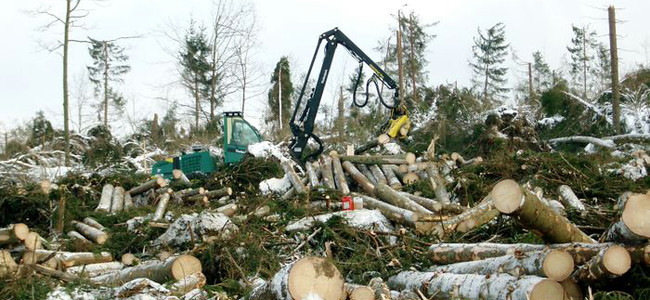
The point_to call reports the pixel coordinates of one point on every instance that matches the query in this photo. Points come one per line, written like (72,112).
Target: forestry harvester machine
(302,123)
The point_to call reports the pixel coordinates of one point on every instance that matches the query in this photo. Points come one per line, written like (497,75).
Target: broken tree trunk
(218,193)
(361,180)
(467,220)
(105,200)
(162,206)
(14,233)
(435,206)
(437,183)
(92,270)
(406,158)
(610,262)
(393,197)
(553,264)
(569,198)
(311,174)
(306,278)
(328,175)
(173,268)
(633,227)
(92,222)
(339,176)
(378,174)
(511,199)
(296,182)
(484,287)
(117,199)
(392,179)
(366,172)
(90,232)
(155,183)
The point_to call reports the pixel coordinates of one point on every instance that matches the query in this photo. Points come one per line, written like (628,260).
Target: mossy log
(105,199)
(339,176)
(295,180)
(393,197)
(553,264)
(633,227)
(326,169)
(14,233)
(392,179)
(406,158)
(512,199)
(610,262)
(306,278)
(91,233)
(497,286)
(361,180)
(155,183)
(173,268)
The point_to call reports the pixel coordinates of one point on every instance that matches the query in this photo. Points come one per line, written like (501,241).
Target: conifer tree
(542,74)
(280,80)
(490,50)
(194,59)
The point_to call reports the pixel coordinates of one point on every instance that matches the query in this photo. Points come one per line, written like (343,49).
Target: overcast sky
(30,77)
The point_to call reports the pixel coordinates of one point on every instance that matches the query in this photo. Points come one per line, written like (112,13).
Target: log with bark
(553,264)
(296,182)
(497,286)
(162,206)
(66,259)
(14,233)
(377,173)
(339,176)
(393,181)
(435,206)
(361,180)
(307,278)
(180,176)
(117,199)
(365,170)
(359,292)
(326,169)
(186,193)
(512,199)
(406,158)
(76,236)
(572,290)
(93,270)
(155,183)
(569,198)
(380,140)
(608,144)
(410,178)
(92,222)
(393,197)
(610,262)
(128,202)
(311,174)
(396,214)
(633,227)
(7,264)
(173,268)
(437,183)
(91,233)
(467,220)
(105,199)
(226,191)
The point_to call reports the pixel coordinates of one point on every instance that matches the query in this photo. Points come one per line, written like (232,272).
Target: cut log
(437,183)
(511,199)
(74,235)
(358,177)
(406,158)
(610,262)
(410,178)
(359,292)
(180,176)
(393,197)
(203,199)
(435,206)
(307,278)
(92,270)
(292,191)
(393,182)
(14,233)
(33,241)
(173,268)
(326,169)
(7,264)
(47,259)
(93,223)
(128,259)
(569,198)
(117,199)
(296,182)
(90,233)
(128,202)
(105,200)
(311,174)
(380,140)
(66,259)
(187,284)
(162,206)
(571,289)
(339,176)
(633,227)
(54,273)
(484,287)
(229,209)
(366,172)
(378,174)
(394,213)
(468,220)
(155,183)
(554,264)
(190,192)
(164,255)
(218,193)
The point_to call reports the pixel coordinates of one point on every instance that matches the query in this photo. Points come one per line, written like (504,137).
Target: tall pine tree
(281,81)
(490,50)
(109,65)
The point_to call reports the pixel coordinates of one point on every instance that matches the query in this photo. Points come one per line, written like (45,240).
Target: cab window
(243,134)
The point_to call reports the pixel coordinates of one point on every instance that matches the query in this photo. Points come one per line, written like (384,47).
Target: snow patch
(392,148)
(204,227)
(360,219)
(634,170)
(275,185)
(551,121)
(267,149)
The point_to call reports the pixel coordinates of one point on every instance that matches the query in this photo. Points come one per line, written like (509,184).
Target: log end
(383,139)
(21,231)
(410,178)
(547,289)
(33,241)
(316,276)
(410,158)
(362,293)
(229,191)
(129,259)
(558,265)
(185,265)
(506,196)
(636,214)
(101,239)
(617,260)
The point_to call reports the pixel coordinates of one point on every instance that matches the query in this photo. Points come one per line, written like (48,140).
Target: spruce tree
(583,50)
(194,59)
(542,74)
(280,80)
(490,50)
(109,65)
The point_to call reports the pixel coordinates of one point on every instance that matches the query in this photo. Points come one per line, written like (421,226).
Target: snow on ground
(360,219)
(267,149)
(634,170)
(204,227)
(551,121)
(275,185)
(392,148)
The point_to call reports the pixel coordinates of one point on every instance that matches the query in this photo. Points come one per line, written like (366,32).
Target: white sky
(30,77)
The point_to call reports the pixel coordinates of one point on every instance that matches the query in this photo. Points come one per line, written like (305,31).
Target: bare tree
(246,72)
(81,94)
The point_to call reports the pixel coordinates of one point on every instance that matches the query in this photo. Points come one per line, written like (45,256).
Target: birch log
(406,158)
(633,227)
(610,262)
(437,183)
(105,200)
(93,223)
(359,292)
(128,202)
(162,206)
(339,176)
(155,183)
(394,213)
(14,233)
(468,220)
(74,235)
(296,182)
(554,264)
(226,191)
(90,233)
(93,270)
(311,174)
(173,268)
(328,175)
(378,174)
(362,181)
(117,199)
(510,198)
(307,278)
(190,192)
(229,209)
(180,176)
(366,172)
(67,259)
(569,198)
(475,287)
(435,206)
(33,241)
(393,197)
(392,179)
(380,140)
